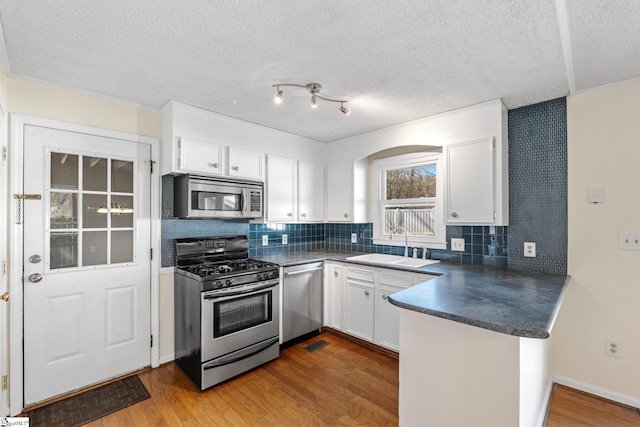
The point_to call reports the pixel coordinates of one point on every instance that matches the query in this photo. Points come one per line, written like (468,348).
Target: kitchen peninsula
(475,346)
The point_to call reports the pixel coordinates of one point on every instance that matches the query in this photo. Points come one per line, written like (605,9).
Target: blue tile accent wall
(484,245)
(538,186)
(300,237)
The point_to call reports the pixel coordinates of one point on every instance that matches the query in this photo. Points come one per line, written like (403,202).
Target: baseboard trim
(167,359)
(597,391)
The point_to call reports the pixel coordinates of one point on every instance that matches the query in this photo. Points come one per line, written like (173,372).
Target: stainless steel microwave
(199,196)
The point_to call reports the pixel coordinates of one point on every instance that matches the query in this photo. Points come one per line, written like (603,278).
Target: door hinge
(5,382)
(5,153)
(493,142)
(151,163)
(4,268)
(151,340)
(151,250)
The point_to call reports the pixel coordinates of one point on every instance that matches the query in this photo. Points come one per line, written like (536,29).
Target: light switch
(595,195)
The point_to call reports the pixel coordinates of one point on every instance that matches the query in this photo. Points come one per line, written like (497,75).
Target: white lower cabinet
(388,315)
(360,303)
(333,274)
(357,301)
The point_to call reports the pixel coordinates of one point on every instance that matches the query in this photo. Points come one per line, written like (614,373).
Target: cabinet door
(200,156)
(245,164)
(387,318)
(333,296)
(387,314)
(340,192)
(310,192)
(470,182)
(281,189)
(360,303)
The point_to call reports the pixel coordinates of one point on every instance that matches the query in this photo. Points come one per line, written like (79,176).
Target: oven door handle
(248,290)
(240,355)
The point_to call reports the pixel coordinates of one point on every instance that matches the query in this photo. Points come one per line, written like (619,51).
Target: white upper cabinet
(310,192)
(281,189)
(200,157)
(245,164)
(476,183)
(347,192)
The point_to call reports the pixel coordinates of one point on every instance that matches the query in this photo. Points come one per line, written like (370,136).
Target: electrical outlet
(529,249)
(265,240)
(285,239)
(613,348)
(457,245)
(629,241)
(354,238)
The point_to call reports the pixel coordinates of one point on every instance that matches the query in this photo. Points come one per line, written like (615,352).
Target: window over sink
(409,198)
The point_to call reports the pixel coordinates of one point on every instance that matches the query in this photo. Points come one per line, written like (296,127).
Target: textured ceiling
(395,61)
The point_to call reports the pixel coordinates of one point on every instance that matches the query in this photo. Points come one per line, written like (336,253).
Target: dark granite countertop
(513,302)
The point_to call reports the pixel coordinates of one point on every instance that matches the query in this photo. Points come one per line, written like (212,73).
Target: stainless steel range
(227,309)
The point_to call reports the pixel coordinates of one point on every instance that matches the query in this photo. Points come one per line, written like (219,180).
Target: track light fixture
(314,90)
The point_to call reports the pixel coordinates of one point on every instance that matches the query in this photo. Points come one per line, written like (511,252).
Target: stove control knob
(228,282)
(260,276)
(218,284)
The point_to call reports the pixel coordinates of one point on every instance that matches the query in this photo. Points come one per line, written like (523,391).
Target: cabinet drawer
(359,274)
(396,279)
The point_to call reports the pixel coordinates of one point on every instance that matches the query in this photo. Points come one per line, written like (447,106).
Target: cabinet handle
(304,215)
(384,296)
(235,168)
(289,214)
(366,293)
(213,165)
(454,214)
(335,273)
(346,215)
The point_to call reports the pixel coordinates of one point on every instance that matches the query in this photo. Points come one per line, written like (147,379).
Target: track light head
(314,104)
(344,109)
(278,97)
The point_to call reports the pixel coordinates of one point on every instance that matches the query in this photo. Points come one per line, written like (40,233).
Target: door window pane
(121,246)
(94,248)
(63,249)
(94,211)
(94,173)
(64,171)
(63,210)
(122,211)
(121,176)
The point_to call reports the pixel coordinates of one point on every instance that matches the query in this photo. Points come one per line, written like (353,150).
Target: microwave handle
(243,201)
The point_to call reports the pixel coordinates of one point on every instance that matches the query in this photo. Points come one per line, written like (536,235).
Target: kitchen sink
(392,260)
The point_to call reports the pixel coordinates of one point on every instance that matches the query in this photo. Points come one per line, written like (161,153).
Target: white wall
(603,299)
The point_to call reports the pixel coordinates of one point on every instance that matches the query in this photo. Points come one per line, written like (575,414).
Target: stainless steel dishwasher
(302,300)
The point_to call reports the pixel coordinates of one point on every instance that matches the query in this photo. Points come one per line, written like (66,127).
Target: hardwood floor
(340,384)
(571,408)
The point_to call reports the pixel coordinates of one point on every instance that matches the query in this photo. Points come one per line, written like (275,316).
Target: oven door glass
(216,201)
(240,313)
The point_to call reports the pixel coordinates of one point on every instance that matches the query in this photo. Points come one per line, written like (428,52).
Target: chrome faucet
(406,239)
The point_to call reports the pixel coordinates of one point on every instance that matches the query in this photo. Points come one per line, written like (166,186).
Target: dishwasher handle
(295,273)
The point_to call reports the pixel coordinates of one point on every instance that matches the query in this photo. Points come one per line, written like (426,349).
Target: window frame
(380,167)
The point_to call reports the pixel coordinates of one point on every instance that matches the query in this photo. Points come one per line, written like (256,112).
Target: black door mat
(316,346)
(90,405)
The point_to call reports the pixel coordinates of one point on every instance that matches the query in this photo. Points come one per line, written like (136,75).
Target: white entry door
(86,260)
